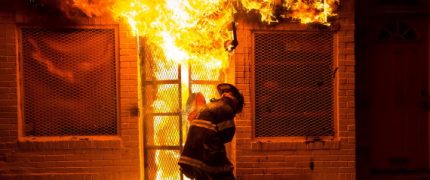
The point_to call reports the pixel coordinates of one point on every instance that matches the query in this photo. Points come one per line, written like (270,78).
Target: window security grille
(69,81)
(293,83)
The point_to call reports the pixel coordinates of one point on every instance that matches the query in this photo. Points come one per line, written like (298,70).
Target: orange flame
(264,7)
(308,11)
(187,31)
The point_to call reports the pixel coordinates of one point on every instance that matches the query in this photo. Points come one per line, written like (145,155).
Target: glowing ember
(194,32)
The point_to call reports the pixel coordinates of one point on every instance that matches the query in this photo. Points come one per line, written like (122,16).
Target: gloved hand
(195,102)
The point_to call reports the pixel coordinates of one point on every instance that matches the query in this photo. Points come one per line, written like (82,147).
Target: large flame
(308,11)
(187,31)
(194,32)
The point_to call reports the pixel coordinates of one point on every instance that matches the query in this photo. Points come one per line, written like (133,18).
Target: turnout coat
(204,150)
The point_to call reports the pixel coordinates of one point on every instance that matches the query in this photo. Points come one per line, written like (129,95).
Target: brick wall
(112,157)
(286,159)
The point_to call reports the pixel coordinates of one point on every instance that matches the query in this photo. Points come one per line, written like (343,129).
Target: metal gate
(165,88)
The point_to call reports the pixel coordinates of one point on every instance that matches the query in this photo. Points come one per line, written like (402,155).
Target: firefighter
(204,155)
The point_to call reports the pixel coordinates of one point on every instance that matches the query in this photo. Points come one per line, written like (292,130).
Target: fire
(194,33)
(187,31)
(308,11)
(264,7)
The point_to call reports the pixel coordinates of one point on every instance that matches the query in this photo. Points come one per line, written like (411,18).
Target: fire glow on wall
(185,47)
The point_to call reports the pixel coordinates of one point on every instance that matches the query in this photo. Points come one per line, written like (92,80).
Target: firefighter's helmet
(226,87)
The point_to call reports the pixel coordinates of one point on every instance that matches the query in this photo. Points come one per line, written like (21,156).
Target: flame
(264,7)
(187,31)
(308,11)
(194,33)
(92,8)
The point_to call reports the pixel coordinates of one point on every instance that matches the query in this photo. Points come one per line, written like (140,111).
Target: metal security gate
(165,86)
(162,109)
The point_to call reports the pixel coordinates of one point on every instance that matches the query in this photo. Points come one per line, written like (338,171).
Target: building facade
(70,105)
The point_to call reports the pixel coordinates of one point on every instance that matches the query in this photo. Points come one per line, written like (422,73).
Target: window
(397,31)
(293,83)
(69,81)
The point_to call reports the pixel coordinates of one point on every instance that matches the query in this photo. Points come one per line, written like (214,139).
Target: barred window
(293,83)
(69,81)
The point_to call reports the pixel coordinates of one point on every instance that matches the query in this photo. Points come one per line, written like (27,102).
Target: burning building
(98,89)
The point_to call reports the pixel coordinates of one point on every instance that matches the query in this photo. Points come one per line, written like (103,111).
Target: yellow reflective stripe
(207,124)
(224,125)
(203,124)
(201,165)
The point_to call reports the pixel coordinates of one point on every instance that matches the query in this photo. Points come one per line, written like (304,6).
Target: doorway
(393,97)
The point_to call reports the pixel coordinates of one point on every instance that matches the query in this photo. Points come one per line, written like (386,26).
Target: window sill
(69,142)
(284,145)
